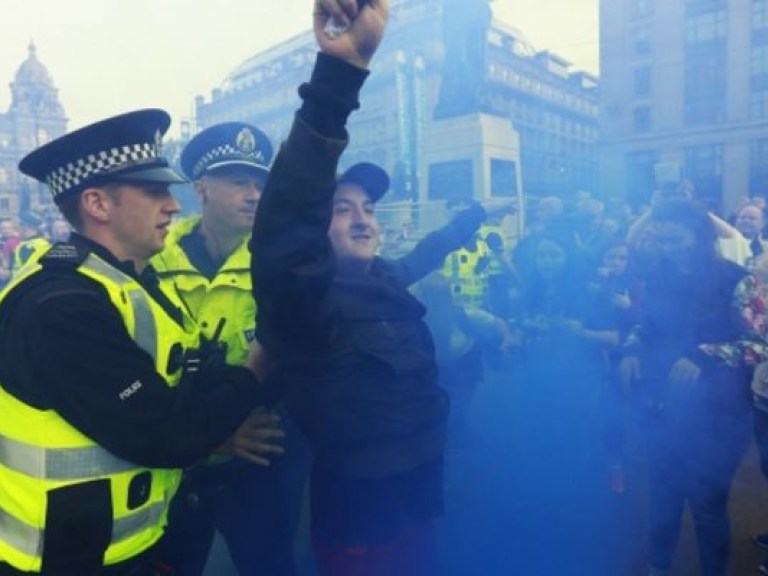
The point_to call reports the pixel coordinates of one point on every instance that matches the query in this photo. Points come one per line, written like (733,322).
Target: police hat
(122,148)
(224,145)
(370,177)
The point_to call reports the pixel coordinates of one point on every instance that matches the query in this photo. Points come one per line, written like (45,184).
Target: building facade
(684,94)
(553,109)
(34,117)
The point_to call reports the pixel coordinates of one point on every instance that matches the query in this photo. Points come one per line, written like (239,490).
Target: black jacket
(64,346)
(354,356)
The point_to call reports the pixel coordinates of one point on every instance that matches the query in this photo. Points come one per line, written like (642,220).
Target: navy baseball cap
(127,147)
(370,177)
(226,145)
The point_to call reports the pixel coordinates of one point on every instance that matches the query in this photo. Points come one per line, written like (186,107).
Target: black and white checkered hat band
(226,152)
(75,173)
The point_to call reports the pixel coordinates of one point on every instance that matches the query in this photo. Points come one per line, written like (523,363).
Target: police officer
(206,261)
(102,395)
(32,245)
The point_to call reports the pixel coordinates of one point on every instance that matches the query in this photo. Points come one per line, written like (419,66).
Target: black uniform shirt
(64,346)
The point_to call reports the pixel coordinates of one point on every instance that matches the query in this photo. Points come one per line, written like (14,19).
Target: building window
(642,119)
(758,167)
(640,176)
(704,167)
(705,84)
(758,61)
(641,40)
(643,81)
(705,27)
(642,8)
(3,176)
(759,14)
(693,7)
(758,104)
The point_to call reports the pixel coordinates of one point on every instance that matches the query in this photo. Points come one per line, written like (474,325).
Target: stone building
(553,109)
(684,94)
(34,117)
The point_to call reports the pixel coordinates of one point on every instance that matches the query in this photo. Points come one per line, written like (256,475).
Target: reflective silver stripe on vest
(29,540)
(20,536)
(60,463)
(127,526)
(145,334)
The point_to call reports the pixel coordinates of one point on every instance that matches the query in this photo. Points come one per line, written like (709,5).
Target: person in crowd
(561,370)
(461,334)
(347,339)
(615,291)
(206,262)
(467,268)
(560,331)
(105,391)
(587,223)
(701,331)
(750,221)
(60,230)
(33,244)
(760,398)
(730,243)
(9,239)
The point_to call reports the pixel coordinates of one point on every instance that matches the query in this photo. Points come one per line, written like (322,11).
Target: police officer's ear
(201,189)
(97,203)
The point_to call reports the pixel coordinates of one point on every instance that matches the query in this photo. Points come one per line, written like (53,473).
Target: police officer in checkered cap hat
(127,147)
(96,365)
(206,260)
(230,144)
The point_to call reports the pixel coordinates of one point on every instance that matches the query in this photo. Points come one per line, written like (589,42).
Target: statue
(465,28)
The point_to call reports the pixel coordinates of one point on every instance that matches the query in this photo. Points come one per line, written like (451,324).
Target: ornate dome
(32,71)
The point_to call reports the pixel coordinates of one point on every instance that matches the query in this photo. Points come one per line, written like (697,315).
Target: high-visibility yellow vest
(227,296)
(468,283)
(40,451)
(495,267)
(28,251)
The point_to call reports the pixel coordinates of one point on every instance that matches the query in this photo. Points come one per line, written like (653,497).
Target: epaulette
(64,254)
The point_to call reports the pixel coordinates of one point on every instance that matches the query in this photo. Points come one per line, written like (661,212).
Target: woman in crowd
(616,293)
(700,334)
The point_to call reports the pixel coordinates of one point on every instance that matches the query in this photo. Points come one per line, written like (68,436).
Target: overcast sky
(110,56)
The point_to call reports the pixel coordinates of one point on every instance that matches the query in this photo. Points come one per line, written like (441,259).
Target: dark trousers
(376,527)
(693,459)
(412,553)
(761,438)
(254,508)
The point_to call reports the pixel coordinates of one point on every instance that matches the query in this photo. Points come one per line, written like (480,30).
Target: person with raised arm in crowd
(348,341)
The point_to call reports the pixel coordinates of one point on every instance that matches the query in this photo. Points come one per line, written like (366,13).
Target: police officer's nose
(253,194)
(172,206)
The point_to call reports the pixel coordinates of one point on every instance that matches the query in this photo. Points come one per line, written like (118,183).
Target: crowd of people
(165,382)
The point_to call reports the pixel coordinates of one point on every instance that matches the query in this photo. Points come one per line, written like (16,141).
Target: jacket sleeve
(430,252)
(750,348)
(293,263)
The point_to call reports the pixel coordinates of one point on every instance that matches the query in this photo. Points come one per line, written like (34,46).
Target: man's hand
(256,439)
(360,30)
(684,372)
(498,207)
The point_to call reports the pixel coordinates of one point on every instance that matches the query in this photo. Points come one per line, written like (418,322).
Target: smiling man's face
(354,230)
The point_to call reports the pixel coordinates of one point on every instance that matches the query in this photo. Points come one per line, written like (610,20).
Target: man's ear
(97,204)
(202,191)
